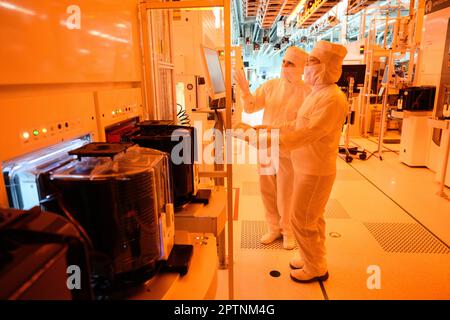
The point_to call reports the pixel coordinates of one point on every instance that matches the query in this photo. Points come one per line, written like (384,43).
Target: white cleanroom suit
(280,99)
(314,148)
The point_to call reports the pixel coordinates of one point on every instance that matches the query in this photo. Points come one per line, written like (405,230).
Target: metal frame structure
(319,8)
(267,13)
(151,62)
(371,53)
(288,7)
(250,7)
(191,4)
(354,6)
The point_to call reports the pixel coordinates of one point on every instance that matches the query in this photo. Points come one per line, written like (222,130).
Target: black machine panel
(36,250)
(165,136)
(355,71)
(418,98)
(116,200)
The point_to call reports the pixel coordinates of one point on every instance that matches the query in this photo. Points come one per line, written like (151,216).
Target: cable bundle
(182,116)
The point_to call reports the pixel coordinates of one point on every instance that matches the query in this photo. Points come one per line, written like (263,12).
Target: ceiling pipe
(237,14)
(256,31)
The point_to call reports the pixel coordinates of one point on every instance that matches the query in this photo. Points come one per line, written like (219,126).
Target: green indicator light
(35,132)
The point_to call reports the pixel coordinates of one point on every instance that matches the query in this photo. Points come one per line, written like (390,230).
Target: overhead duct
(256,33)
(238,16)
(273,32)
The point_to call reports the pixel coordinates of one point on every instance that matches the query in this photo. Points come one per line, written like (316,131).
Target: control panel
(47,130)
(116,106)
(31,123)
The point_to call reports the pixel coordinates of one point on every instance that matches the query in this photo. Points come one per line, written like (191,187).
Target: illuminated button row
(26,135)
(119,111)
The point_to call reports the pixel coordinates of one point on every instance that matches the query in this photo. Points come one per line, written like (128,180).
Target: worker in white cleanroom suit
(314,148)
(280,98)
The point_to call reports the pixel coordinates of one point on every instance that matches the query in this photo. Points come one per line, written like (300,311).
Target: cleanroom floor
(382,215)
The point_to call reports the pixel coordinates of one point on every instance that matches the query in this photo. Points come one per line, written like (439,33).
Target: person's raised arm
(252,102)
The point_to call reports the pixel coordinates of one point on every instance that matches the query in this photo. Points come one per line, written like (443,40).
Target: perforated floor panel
(252,231)
(406,238)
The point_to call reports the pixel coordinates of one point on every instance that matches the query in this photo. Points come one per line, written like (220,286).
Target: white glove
(241,80)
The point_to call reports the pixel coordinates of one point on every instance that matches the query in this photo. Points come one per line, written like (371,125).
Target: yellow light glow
(106,36)
(296,11)
(11,6)
(26,135)
(84,51)
(44,130)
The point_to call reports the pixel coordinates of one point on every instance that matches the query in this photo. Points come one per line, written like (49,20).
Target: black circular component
(190,86)
(275,273)
(100,149)
(363,156)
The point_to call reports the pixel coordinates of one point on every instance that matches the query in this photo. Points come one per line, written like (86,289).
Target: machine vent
(406,238)
(335,210)
(252,231)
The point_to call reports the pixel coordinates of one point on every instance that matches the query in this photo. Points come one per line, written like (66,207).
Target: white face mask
(291,74)
(314,74)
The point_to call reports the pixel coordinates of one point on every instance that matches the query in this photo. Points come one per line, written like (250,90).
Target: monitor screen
(214,75)
(357,72)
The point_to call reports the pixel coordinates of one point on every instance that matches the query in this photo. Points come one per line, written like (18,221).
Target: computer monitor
(357,72)
(213,73)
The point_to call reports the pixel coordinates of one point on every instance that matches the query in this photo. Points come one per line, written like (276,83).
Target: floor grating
(405,238)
